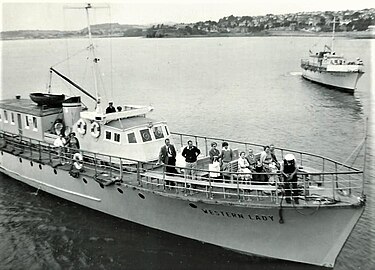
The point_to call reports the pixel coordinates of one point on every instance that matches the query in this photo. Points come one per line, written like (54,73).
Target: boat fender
(77,161)
(58,127)
(81,127)
(95,129)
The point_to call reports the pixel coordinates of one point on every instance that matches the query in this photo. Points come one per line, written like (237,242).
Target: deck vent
(40,166)
(101,185)
(120,190)
(192,205)
(20,160)
(54,170)
(141,196)
(84,180)
(31,163)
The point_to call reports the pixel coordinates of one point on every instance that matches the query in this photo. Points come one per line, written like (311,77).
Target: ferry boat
(332,70)
(115,170)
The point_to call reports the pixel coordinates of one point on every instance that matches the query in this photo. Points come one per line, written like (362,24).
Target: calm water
(241,88)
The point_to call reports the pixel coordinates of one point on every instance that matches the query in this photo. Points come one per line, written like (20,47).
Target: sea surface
(243,88)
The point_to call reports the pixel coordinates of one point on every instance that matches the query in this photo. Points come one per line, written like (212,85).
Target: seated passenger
(243,167)
(251,159)
(110,108)
(119,108)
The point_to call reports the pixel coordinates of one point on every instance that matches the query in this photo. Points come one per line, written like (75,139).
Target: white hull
(314,239)
(343,80)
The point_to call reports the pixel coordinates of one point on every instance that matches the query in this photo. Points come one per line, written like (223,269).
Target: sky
(27,15)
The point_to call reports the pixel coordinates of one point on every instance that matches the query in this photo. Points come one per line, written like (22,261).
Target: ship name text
(254,217)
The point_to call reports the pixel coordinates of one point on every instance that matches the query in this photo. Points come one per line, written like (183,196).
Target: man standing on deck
(110,108)
(289,171)
(167,156)
(190,153)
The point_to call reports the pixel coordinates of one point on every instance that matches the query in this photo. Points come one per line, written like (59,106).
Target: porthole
(40,166)
(31,163)
(20,160)
(120,190)
(54,170)
(84,180)
(101,185)
(141,196)
(192,205)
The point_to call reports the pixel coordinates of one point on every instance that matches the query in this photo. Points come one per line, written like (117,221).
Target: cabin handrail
(95,154)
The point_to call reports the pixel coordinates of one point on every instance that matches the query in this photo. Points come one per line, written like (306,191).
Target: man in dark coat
(167,156)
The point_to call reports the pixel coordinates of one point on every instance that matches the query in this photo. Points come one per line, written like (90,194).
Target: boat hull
(309,235)
(345,81)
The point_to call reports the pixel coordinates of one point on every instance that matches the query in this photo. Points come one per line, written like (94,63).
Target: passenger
(243,167)
(226,156)
(274,159)
(72,141)
(190,153)
(251,160)
(60,143)
(167,156)
(289,171)
(119,108)
(110,108)
(214,153)
(266,158)
(263,166)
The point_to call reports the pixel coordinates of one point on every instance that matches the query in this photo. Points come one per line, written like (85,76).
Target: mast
(333,34)
(91,47)
(92,50)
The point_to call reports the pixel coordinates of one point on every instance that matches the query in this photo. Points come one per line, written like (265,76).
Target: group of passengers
(248,165)
(66,144)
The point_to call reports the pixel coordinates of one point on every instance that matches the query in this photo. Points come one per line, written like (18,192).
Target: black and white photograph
(196,134)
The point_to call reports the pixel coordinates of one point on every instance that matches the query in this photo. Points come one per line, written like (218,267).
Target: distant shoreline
(275,33)
(266,33)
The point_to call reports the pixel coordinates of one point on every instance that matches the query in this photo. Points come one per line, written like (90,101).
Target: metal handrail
(261,145)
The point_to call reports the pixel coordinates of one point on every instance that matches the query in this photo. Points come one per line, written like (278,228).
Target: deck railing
(331,180)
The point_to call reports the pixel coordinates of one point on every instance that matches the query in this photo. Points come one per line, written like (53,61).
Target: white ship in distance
(332,70)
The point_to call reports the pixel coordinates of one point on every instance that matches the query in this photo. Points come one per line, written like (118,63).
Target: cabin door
(19,120)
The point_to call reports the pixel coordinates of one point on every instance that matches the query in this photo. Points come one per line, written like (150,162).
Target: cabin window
(27,124)
(12,118)
(158,132)
(5,116)
(108,135)
(166,130)
(145,134)
(35,123)
(116,137)
(131,138)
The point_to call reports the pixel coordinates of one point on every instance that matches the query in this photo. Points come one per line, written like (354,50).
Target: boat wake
(295,73)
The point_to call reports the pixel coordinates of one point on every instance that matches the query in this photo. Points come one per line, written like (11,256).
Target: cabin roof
(127,123)
(27,106)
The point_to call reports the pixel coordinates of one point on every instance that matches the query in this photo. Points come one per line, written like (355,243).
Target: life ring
(58,127)
(95,129)
(81,127)
(77,161)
